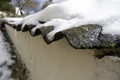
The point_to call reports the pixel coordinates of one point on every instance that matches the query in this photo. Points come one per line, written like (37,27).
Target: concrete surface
(59,61)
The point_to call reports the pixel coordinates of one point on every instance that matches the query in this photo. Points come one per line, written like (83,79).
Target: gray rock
(84,36)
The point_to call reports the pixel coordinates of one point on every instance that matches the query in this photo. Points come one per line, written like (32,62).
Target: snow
(13,20)
(57,1)
(3,14)
(65,14)
(5,59)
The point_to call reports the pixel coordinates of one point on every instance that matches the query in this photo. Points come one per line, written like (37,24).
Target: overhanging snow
(69,18)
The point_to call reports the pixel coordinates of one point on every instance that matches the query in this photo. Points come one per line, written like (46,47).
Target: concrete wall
(59,61)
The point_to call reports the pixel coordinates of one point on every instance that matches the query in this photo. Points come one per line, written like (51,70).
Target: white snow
(5,59)
(73,13)
(13,20)
(3,14)
(57,1)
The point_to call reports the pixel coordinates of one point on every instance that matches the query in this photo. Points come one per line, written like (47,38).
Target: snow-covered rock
(74,13)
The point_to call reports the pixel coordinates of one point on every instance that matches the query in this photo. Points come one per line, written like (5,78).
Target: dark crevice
(100,53)
(37,32)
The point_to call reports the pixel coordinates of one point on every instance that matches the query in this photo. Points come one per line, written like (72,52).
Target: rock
(84,37)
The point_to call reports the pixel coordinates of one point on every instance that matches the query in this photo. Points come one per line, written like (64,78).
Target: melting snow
(65,14)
